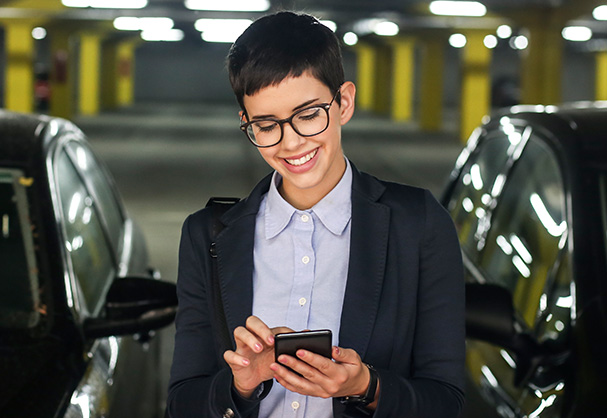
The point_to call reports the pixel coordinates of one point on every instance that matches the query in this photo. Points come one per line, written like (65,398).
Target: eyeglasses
(309,121)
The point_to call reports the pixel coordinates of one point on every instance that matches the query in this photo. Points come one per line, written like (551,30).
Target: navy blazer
(403,309)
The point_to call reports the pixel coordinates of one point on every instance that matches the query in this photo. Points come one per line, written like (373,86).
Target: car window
(526,246)
(98,184)
(472,193)
(86,243)
(19,297)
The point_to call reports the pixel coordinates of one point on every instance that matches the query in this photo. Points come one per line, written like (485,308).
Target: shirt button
(305,259)
(305,218)
(302,301)
(295,405)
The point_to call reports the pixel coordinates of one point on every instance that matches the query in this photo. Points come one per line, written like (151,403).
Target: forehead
(286,95)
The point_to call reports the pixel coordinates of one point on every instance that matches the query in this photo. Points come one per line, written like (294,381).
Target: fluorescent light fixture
(458,40)
(38,33)
(577,33)
(386,28)
(504,31)
(229,5)
(490,41)
(330,24)
(350,38)
(107,4)
(165,35)
(600,13)
(143,23)
(221,30)
(458,8)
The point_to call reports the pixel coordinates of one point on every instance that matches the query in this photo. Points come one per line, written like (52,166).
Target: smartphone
(317,341)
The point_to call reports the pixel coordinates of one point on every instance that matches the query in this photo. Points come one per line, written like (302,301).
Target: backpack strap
(219,206)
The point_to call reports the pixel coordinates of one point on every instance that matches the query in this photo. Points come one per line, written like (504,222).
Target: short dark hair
(284,45)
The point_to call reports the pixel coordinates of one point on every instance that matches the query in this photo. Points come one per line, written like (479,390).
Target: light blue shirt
(299,278)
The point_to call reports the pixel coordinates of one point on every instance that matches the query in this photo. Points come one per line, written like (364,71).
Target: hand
(254,354)
(321,377)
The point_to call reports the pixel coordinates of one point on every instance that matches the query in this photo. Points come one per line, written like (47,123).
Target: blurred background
(146,81)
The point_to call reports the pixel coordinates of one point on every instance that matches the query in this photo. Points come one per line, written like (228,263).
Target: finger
(295,383)
(319,363)
(244,338)
(259,328)
(346,355)
(235,360)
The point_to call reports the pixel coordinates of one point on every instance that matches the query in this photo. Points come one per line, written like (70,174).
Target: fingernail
(245,361)
(258,347)
(301,353)
(274,367)
(337,351)
(271,339)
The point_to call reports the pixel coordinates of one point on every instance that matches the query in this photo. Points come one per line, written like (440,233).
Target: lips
(301,160)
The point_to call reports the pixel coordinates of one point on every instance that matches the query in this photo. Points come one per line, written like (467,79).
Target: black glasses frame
(289,120)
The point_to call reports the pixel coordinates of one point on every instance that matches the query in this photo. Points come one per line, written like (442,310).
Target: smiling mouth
(302,160)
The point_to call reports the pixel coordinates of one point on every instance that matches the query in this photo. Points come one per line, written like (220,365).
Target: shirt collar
(334,210)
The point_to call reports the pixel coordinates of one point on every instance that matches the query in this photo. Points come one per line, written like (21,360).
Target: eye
(309,114)
(265,126)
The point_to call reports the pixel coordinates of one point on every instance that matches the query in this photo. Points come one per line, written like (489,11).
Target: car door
(98,246)
(518,240)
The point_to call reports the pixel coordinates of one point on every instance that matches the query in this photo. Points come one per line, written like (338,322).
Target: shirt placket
(298,313)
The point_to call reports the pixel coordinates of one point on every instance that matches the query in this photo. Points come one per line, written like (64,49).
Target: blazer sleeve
(199,385)
(435,388)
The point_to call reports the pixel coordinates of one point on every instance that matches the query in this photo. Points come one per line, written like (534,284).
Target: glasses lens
(311,121)
(265,132)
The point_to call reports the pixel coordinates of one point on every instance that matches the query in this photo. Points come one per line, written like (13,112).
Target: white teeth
(303,159)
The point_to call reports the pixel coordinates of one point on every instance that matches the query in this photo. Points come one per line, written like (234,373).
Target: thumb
(344,355)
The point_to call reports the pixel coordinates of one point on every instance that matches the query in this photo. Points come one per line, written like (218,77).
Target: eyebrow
(296,108)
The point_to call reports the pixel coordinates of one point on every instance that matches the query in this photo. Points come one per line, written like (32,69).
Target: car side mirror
(134,305)
(490,318)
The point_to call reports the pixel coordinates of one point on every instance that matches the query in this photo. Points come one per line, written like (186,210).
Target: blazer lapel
(368,249)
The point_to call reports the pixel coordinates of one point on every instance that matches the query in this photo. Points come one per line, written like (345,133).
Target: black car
(528,196)
(78,300)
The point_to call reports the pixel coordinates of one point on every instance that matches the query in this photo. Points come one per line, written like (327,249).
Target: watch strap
(369,395)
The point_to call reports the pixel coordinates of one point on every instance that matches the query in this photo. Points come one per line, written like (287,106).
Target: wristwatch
(369,395)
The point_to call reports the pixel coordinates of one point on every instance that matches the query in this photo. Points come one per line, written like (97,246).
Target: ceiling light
(519,42)
(38,33)
(490,41)
(229,5)
(386,28)
(170,35)
(350,38)
(143,23)
(600,13)
(577,33)
(330,24)
(504,31)
(457,40)
(221,30)
(458,8)
(107,4)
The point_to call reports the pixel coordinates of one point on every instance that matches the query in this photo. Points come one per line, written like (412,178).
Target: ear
(348,96)
(241,116)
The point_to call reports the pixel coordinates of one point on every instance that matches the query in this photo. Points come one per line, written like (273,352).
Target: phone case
(317,341)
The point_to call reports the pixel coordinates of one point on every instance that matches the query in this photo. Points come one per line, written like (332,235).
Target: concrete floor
(168,159)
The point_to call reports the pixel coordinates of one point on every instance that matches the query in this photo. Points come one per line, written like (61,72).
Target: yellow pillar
(61,74)
(19,70)
(126,69)
(601,75)
(542,64)
(475,94)
(382,99)
(365,77)
(431,84)
(403,75)
(89,74)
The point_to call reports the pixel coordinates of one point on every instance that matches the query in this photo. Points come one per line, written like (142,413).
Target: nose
(291,140)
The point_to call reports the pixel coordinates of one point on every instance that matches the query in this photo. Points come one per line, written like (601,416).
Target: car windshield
(19,297)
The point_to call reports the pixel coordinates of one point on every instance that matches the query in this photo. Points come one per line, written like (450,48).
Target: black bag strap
(219,206)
